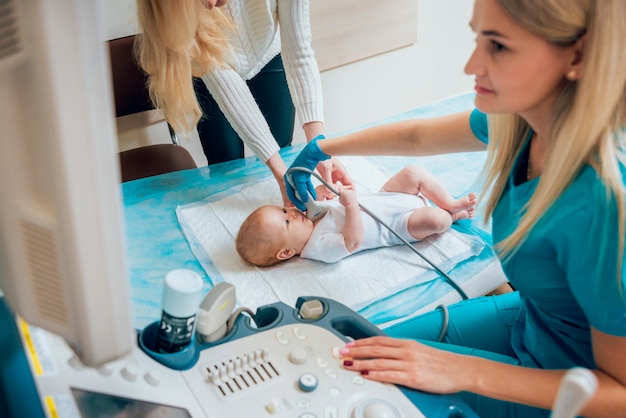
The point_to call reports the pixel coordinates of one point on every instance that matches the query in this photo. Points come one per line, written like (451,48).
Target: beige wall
(372,88)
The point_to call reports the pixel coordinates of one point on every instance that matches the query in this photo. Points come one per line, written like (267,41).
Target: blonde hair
(180,39)
(254,243)
(588,119)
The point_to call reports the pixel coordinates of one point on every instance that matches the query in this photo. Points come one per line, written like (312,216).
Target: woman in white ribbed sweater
(235,54)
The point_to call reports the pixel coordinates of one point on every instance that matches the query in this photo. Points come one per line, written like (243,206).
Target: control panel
(282,362)
(293,371)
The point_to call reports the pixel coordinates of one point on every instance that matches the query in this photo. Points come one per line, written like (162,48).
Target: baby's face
(288,225)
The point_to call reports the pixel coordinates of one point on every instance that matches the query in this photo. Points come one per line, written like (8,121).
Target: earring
(571,75)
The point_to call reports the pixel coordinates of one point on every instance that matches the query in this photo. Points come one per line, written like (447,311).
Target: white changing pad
(210,227)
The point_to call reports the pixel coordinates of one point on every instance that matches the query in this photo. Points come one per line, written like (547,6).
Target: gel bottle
(182,294)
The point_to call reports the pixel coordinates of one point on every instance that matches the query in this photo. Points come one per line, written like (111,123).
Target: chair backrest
(129,80)
(152,160)
(132,100)
(133,106)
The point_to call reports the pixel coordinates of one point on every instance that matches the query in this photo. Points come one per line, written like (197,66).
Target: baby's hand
(324,193)
(347,196)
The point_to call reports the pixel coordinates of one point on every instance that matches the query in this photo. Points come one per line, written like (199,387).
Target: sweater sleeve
(235,100)
(301,68)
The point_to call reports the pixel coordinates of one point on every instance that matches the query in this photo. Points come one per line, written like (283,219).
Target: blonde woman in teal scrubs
(551,111)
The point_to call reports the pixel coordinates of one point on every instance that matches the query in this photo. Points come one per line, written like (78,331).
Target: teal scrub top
(566,270)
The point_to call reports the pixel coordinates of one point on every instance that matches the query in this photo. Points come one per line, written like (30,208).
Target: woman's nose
(473,65)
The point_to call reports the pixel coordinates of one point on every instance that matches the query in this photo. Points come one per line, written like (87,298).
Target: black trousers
(269,88)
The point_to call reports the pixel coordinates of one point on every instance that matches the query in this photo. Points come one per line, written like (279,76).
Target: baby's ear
(285,254)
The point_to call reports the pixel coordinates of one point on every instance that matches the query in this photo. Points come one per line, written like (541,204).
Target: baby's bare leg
(413,179)
(430,220)
(427,221)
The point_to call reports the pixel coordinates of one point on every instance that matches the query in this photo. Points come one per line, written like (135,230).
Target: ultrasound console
(283,362)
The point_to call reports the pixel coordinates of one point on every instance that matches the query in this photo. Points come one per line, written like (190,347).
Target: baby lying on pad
(272,234)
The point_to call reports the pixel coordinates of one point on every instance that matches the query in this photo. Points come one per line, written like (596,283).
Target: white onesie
(327,243)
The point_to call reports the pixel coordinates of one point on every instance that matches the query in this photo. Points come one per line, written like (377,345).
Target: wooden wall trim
(345,31)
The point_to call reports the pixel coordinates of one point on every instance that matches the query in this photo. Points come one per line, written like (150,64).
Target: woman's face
(516,71)
(209,4)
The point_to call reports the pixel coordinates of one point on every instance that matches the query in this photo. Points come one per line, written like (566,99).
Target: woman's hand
(332,171)
(278,168)
(309,158)
(408,363)
(325,168)
(283,192)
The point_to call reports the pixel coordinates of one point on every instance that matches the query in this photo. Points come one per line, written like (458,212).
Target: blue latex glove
(308,158)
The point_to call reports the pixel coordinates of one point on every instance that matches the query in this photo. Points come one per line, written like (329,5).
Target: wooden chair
(134,109)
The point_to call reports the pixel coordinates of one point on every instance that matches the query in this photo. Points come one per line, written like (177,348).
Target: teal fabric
(494,313)
(566,271)
(466,335)
(478,123)
(565,274)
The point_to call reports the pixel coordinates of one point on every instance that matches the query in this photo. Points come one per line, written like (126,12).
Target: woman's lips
(481,90)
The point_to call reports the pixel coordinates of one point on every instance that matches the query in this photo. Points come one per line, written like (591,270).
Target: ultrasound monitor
(62,251)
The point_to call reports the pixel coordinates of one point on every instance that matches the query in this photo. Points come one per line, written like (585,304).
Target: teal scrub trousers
(479,327)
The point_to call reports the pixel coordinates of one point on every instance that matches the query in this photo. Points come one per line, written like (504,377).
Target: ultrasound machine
(283,362)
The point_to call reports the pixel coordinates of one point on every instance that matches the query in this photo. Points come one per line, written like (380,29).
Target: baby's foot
(463,214)
(464,203)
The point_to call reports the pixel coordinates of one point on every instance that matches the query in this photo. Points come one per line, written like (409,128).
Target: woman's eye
(284,211)
(287,221)
(497,46)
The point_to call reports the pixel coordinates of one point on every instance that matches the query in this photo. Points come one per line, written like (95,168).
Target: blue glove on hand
(308,158)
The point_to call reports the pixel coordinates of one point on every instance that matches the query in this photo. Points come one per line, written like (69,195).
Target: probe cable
(448,279)
(380,221)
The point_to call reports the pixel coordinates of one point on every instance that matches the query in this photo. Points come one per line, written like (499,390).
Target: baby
(272,234)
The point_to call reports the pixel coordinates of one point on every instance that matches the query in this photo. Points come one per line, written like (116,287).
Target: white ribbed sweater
(257,42)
